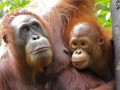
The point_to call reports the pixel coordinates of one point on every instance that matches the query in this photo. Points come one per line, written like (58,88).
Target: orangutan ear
(5,38)
(101,41)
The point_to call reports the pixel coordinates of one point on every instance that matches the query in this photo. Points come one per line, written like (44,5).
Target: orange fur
(16,74)
(107,59)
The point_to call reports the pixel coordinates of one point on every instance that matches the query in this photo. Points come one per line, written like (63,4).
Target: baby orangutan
(90,47)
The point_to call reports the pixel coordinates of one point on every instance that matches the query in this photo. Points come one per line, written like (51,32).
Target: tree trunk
(115,10)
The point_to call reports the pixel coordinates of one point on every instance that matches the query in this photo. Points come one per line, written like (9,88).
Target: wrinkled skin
(33,39)
(25,51)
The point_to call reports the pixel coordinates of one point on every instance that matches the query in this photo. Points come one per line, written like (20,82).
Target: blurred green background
(102,8)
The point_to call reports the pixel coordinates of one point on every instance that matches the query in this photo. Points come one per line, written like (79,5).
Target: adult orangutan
(61,75)
(25,50)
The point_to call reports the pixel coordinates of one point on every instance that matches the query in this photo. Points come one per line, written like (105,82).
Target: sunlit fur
(15,72)
(61,75)
(102,61)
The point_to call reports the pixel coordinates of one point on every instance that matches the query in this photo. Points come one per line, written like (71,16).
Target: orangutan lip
(41,49)
(77,62)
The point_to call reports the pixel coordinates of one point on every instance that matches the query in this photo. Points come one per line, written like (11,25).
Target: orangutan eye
(35,25)
(75,43)
(84,44)
(25,29)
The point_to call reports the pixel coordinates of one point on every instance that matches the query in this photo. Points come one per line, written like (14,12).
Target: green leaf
(108,16)
(2,5)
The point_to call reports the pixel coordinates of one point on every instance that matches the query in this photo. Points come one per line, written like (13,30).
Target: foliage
(9,5)
(102,9)
(103,12)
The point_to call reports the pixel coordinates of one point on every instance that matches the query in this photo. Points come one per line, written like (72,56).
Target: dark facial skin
(32,41)
(85,45)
